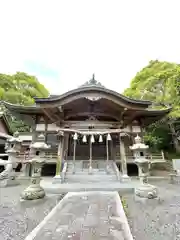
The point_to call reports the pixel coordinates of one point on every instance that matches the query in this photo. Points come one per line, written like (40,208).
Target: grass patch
(124,204)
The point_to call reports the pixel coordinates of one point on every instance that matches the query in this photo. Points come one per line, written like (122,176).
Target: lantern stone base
(33,192)
(8,182)
(125,178)
(22,177)
(57,179)
(146,191)
(107,169)
(90,170)
(74,169)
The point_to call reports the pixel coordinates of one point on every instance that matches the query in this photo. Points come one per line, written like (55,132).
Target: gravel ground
(156,219)
(17,218)
(152,220)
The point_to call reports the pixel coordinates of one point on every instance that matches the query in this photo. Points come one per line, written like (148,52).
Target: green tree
(20,88)
(159,82)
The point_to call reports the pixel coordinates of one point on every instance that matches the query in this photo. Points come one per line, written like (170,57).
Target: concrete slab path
(125,187)
(85,216)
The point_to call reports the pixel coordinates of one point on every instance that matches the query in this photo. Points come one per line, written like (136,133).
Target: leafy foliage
(124,204)
(158,137)
(20,88)
(159,82)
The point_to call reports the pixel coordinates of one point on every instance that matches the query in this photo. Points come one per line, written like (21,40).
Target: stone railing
(50,158)
(157,157)
(64,170)
(116,170)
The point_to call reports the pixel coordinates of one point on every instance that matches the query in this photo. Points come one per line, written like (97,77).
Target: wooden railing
(157,157)
(52,157)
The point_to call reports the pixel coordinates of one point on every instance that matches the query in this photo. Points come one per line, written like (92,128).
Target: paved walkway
(85,216)
(57,188)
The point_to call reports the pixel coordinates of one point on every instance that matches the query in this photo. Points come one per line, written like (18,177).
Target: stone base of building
(125,178)
(57,179)
(22,177)
(174,178)
(8,182)
(33,192)
(146,191)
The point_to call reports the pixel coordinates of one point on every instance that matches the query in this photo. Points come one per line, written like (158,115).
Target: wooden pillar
(74,155)
(107,153)
(60,154)
(66,145)
(112,150)
(90,153)
(46,130)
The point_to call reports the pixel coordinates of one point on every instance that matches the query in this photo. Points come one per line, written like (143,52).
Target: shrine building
(89,126)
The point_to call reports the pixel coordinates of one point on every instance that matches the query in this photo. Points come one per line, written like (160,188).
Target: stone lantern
(35,191)
(145,190)
(13,146)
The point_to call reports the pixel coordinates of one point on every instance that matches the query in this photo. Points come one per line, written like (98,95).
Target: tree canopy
(159,82)
(20,88)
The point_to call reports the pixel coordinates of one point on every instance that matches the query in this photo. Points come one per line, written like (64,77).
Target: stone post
(57,178)
(145,190)
(108,138)
(66,145)
(75,137)
(91,141)
(112,151)
(35,191)
(25,170)
(123,159)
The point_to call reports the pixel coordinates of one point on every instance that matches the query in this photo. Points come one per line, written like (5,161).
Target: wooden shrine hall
(90,124)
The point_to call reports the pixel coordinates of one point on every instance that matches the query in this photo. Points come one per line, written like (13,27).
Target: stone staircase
(81,175)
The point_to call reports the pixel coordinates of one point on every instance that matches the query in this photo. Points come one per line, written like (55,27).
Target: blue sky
(41,69)
(63,42)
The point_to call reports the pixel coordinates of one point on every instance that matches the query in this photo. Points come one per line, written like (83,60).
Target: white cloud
(113,38)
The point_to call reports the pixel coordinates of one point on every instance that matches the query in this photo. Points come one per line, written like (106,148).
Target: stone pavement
(85,216)
(125,187)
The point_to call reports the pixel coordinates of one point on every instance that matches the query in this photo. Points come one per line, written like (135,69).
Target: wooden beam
(134,114)
(49,114)
(101,114)
(98,122)
(123,112)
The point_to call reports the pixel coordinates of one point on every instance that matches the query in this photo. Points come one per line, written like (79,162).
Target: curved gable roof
(93,89)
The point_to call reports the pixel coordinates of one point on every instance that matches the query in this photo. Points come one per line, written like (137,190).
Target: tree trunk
(174,138)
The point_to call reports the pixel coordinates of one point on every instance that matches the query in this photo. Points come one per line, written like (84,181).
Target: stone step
(90,179)
(90,176)
(77,173)
(82,178)
(86,173)
(93,173)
